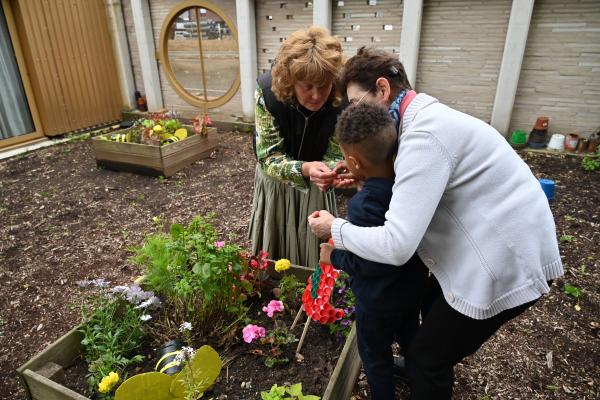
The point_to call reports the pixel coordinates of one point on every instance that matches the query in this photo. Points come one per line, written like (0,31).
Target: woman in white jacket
(469,206)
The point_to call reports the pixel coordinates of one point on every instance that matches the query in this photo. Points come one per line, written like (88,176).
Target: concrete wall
(560,75)
(460,53)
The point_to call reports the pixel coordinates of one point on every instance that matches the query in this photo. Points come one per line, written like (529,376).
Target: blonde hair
(310,55)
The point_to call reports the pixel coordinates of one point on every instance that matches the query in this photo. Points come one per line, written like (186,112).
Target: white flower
(186,353)
(153,302)
(145,317)
(185,326)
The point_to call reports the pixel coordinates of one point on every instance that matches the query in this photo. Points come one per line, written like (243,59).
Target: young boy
(388,297)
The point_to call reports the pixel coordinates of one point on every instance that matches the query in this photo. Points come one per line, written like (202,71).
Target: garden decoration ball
(317,295)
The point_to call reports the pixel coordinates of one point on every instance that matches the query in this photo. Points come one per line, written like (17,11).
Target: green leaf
(204,368)
(295,390)
(177,231)
(147,386)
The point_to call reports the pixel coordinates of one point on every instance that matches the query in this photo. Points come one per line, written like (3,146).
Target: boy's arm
(358,267)
(365,209)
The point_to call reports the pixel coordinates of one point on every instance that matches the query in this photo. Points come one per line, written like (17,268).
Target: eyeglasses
(361,98)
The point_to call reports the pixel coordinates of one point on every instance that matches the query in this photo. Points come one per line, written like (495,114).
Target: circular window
(199,51)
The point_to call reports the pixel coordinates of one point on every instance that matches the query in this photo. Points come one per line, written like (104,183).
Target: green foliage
(290,289)
(552,388)
(278,338)
(567,238)
(197,376)
(343,298)
(573,291)
(591,163)
(203,279)
(112,333)
(293,392)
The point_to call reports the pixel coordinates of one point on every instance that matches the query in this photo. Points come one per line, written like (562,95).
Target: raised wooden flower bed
(144,159)
(43,375)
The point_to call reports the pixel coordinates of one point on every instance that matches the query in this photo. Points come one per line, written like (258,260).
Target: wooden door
(69,57)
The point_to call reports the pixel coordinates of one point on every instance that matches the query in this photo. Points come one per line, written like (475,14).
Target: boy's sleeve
(270,150)
(363,210)
(358,267)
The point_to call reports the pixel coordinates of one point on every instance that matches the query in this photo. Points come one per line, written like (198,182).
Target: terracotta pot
(593,145)
(541,123)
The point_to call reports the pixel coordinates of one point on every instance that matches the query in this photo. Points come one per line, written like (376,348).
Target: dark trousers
(376,331)
(443,340)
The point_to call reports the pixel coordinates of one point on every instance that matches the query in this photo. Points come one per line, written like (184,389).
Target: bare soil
(63,220)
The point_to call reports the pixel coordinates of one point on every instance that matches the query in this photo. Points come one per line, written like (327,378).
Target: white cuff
(336,233)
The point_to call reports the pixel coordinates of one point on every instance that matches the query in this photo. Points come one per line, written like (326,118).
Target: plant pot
(64,352)
(144,159)
(571,142)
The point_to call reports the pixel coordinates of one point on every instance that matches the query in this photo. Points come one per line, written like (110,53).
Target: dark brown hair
(368,65)
(369,129)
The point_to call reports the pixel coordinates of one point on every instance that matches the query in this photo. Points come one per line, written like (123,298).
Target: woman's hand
(320,224)
(319,173)
(344,178)
(325,256)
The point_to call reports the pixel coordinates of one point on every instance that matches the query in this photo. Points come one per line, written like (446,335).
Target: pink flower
(273,307)
(219,245)
(252,332)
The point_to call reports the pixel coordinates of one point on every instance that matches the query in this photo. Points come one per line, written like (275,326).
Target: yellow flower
(108,382)
(282,265)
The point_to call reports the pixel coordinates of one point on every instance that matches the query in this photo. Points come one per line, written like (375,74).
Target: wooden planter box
(43,375)
(144,159)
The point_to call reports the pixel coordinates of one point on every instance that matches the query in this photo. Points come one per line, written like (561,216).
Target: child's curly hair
(310,55)
(370,130)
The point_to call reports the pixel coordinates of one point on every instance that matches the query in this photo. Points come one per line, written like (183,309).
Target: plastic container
(557,142)
(165,357)
(548,186)
(518,139)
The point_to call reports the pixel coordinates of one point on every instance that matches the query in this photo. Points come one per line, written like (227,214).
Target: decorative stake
(304,331)
(300,311)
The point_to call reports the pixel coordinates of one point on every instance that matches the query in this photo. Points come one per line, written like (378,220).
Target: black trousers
(376,331)
(444,338)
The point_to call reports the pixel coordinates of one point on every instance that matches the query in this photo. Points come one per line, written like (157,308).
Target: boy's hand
(326,250)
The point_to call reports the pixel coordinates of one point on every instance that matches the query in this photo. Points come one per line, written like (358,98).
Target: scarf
(394,109)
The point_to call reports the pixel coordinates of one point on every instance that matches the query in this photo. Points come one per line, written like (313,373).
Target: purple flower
(219,244)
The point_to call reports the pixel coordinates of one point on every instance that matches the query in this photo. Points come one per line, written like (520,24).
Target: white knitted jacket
(471,208)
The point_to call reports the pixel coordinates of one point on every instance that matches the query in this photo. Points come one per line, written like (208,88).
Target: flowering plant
(203,277)
(113,331)
(108,382)
(282,265)
(277,337)
(155,130)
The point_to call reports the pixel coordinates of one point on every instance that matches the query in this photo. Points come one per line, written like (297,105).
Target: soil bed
(63,220)
(320,352)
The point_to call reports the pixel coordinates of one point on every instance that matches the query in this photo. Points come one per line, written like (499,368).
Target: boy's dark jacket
(376,286)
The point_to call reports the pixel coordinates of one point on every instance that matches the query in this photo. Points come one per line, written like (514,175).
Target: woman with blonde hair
(296,109)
